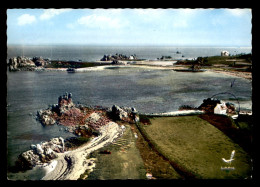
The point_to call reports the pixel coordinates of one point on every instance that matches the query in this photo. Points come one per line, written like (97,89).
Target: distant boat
(71,70)
(178,52)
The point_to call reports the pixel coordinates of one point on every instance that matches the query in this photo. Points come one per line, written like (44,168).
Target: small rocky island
(41,64)
(25,63)
(118,57)
(68,114)
(21,63)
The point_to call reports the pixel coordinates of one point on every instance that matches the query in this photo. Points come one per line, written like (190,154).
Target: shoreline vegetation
(239,65)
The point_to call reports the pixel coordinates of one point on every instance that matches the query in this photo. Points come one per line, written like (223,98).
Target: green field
(73,64)
(196,147)
(124,162)
(243,61)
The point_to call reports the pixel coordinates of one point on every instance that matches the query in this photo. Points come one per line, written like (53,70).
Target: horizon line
(124,45)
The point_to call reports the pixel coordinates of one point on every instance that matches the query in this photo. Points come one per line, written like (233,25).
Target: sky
(174,27)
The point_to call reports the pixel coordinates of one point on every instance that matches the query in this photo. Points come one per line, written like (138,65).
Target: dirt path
(70,165)
(124,161)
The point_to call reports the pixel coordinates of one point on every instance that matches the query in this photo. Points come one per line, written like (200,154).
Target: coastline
(77,164)
(71,66)
(245,75)
(71,164)
(149,65)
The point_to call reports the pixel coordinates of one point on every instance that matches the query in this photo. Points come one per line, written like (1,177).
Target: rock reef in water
(41,153)
(118,57)
(68,114)
(45,118)
(83,120)
(25,63)
(17,63)
(65,107)
(39,61)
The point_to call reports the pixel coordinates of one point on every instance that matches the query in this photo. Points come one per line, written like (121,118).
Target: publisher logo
(228,162)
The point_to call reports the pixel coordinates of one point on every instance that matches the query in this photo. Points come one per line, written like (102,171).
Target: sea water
(94,53)
(148,90)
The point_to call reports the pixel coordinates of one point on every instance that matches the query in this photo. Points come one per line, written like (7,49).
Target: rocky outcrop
(65,106)
(79,120)
(118,57)
(119,113)
(13,66)
(165,58)
(45,117)
(116,62)
(25,63)
(124,113)
(65,103)
(41,153)
(17,63)
(83,121)
(86,122)
(39,61)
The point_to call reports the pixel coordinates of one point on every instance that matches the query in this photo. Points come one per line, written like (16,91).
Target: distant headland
(237,65)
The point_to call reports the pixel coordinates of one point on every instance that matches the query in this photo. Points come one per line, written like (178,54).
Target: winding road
(71,164)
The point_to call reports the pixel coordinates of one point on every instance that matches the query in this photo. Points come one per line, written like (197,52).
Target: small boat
(71,70)
(178,52)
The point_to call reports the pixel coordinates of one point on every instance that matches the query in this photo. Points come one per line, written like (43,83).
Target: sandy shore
(70,165)
(177,113)
(145,62)
(156,63)
(99,68)
(246,75)
(152,65)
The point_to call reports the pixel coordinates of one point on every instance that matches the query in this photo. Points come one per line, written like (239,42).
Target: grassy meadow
(196,147)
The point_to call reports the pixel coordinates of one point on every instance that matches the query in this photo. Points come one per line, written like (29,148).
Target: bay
(148,90)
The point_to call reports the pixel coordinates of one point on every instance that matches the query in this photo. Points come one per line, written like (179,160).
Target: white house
(220,109)
(224,53)
(131,57)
